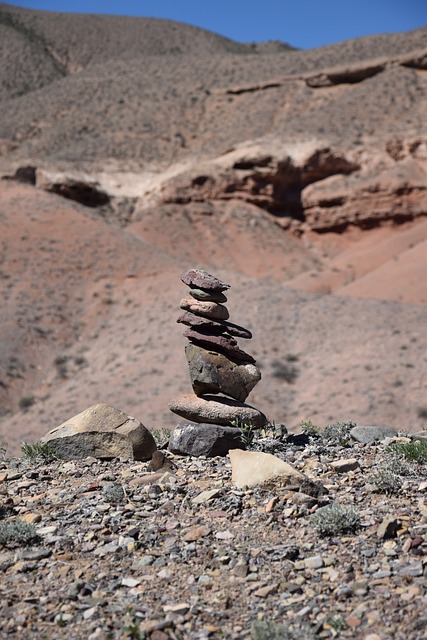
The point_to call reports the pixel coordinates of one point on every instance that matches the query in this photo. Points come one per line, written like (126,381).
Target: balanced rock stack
(217,366)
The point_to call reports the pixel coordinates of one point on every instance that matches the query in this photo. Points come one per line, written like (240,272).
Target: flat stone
(199,279)
(204,439)
(179,609)
(206,309)
(205,496)
(420,436)
(214,326)
(211,296)
(213,372)
(314,562)
(101,431)
(414,569)
(195,533)
(222,343)
(371,434)
(159,477)
(216,410)
(252,468)
(344,465)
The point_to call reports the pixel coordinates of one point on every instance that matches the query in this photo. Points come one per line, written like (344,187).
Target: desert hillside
(134,149)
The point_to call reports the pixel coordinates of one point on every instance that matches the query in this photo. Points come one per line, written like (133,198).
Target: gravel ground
(124,552)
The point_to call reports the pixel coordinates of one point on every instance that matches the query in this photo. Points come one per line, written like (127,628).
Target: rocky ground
(124,552)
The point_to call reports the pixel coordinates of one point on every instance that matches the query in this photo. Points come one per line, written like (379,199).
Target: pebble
(131,562)
(344,465)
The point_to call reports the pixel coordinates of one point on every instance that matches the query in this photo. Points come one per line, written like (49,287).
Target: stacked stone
(217,365)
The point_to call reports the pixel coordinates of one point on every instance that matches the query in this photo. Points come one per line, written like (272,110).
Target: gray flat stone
(371,434)
(204,439)
(210,296)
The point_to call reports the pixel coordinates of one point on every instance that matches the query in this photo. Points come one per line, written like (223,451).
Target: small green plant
(310,429)
(386,480)
(247,431)
(335,519)
(17,532)
(336,621)
(413,451)
(134,632)
(38,451)
(248,434)
(161,436)
(26,402)
(269,630)
(338,433)
(272,430)
(113,493)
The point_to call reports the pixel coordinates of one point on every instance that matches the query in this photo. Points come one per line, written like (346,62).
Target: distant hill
(44,46)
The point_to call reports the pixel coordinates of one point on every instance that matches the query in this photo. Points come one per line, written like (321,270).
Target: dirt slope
(298,176)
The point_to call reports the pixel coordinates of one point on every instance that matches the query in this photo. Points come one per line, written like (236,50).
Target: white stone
(251,468)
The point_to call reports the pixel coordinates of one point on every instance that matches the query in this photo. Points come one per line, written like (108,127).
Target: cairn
(222,374)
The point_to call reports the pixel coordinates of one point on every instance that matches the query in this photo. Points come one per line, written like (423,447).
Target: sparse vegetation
(17,532)
(386,480)
(268,630)
(26,402)
(336,621)
(310,429)
(134,632)
(285,370)
(335,519)
(422,412)
(38,452)
(412,451)
(161,436)
(61,365)
(113,493)
(338,433)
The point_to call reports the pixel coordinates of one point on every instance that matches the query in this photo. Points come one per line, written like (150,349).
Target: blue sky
(302,23)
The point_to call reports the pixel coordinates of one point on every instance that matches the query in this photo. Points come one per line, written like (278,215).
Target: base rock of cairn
(217,365)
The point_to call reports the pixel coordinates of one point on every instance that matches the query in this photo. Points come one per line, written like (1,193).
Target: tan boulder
(252,468)
(101,431)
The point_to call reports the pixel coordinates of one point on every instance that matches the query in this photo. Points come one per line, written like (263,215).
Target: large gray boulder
(372,434)
(204,439)
(101,431)
(213,372)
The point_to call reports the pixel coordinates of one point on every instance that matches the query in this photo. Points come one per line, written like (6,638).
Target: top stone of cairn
(199,279)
